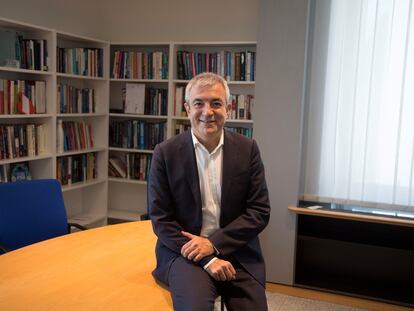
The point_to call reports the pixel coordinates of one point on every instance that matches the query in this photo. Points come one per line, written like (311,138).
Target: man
(208,201)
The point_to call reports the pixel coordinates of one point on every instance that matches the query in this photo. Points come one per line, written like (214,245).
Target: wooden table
(107,268)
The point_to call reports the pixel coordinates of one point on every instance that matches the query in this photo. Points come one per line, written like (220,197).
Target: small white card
(135,98)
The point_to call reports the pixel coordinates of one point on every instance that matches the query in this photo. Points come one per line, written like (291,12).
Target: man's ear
(228,109)
(187,107)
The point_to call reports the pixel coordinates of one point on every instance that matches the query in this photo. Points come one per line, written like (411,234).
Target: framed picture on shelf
(20,171)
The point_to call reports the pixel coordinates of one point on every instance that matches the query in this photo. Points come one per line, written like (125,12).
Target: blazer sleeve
(249,224)
(161,207)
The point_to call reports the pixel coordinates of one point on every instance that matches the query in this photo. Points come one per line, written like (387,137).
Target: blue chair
(31,211)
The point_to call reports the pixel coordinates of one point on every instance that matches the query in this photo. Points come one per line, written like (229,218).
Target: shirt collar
(196,142)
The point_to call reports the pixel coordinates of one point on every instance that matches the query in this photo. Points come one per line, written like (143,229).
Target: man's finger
(232,270)
(193,254)
(229,273)
(188,234)
(187,248)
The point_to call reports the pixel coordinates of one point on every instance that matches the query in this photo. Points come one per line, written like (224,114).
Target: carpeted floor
(280,302)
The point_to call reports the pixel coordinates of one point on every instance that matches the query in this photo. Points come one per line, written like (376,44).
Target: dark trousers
(192,289)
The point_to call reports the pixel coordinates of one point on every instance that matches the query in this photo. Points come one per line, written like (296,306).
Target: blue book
(8,42)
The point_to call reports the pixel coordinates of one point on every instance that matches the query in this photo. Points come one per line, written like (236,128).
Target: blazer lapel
(190,167)
(229,162)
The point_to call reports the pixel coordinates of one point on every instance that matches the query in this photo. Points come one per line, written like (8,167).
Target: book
(135,98)
(8,39)
(179,102)
(118,166)
(4,173)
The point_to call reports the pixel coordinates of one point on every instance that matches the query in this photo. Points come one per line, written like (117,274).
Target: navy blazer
(174,202)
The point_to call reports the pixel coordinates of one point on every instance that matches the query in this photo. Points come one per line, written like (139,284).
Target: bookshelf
(123,191)
(87,82)
(134,64)
(85,201)
(82,106)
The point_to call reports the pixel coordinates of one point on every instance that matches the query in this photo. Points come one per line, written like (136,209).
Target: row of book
(233,66)
(75,100)
(22,96)
(136,134)
(241,105)
(132,166)
(137,99)
(19,52)
(80,61)
(246,131)
(76,168)
(22,140)
(14,172)
(181,128)
(140,65)
(73,135)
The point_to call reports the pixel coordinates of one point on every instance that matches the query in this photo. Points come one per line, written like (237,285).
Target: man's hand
(221,270)
(197,248)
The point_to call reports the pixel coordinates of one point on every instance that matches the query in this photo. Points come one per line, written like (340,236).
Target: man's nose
(207,109)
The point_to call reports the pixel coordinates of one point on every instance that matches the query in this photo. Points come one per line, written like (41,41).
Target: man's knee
(191,287)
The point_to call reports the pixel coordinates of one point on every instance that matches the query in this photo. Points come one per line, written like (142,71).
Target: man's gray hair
(207,79)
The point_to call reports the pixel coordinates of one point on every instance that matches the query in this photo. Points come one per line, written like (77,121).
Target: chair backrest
(31,211)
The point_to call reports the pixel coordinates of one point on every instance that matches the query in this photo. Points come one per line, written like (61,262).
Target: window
(359,115)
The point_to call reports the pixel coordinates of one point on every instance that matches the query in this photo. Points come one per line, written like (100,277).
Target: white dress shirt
(210,167)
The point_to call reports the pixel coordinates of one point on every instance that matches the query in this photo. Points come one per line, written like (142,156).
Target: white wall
(277,126)
(181,20)
(74,16)
(144,20)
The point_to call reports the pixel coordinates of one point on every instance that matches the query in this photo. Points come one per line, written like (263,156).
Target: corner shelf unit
(85,202)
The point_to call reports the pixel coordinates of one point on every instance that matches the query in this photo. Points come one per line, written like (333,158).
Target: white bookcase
(91,202)
(127,197)
(86,202)
(88,199)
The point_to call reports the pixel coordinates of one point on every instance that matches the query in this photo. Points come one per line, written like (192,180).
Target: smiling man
(208,201)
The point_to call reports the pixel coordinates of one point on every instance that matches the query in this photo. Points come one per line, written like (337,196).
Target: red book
(1,97)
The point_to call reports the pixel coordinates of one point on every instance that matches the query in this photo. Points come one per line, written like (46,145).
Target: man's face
(208,111)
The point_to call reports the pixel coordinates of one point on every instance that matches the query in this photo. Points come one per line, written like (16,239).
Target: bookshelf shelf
(181,118)
(26,116)
(83,184)
(88,220)
(82,151)
(25,159)
(74,76)
(19,70)
(127,181)
(246,83)
(130,150)
(81,115)
(137,116)
(234,121)
(124,215)
(140,80)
